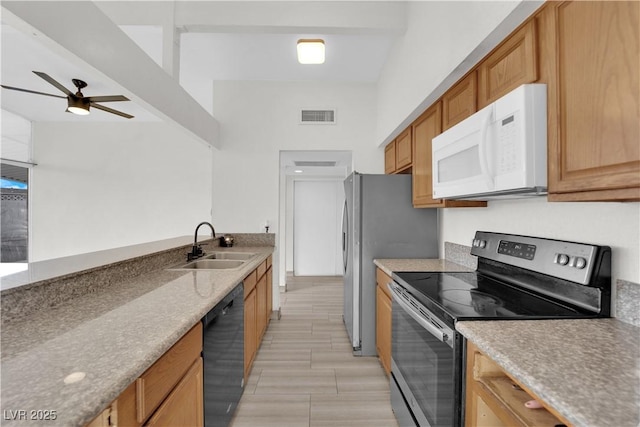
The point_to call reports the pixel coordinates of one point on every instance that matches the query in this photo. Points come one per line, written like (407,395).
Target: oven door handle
(425,323)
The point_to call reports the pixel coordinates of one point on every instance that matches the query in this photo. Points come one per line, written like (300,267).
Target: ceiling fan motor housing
(78,105)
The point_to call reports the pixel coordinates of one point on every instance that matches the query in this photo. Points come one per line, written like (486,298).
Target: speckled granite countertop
(588,370)
(112,335)
(391,265)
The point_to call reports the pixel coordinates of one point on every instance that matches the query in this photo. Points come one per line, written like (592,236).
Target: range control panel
(566,260)
(520,250)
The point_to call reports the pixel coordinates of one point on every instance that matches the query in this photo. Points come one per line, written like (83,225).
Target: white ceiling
(244,52)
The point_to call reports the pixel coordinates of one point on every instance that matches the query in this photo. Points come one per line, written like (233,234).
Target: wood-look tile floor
(305,374)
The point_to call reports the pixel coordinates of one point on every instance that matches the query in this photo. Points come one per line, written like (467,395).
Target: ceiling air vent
(318,117)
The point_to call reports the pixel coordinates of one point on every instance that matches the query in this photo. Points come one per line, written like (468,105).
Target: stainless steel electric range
(518,277)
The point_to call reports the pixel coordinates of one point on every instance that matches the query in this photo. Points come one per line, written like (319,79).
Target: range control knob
(581,262)
(562,259)
(482,244)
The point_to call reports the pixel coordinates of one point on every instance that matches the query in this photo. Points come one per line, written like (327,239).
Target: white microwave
(498,152)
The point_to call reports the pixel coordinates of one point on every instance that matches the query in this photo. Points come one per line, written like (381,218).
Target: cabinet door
(157,381)
(102,420)
(459,102)
(425,128)
(594,148)
(512,64)
(261,307)
(383,328)
(184,406)
(250,332)
(269,294)
(390,158)
(403,150)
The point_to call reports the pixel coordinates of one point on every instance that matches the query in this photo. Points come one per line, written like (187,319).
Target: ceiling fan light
(78,106)
(311,51)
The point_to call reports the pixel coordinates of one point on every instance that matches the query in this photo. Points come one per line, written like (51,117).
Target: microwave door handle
(433,330)
(484,164)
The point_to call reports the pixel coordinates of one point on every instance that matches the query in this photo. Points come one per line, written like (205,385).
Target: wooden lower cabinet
(261,306)
(184,406)
(257,311)
(250,332)
(494,399)
(169,393)
(269,293)
(383,320)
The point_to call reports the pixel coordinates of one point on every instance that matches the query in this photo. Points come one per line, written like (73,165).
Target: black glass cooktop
(471,295)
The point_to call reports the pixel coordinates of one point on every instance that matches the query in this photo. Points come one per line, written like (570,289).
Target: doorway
(324,167)
(317,220)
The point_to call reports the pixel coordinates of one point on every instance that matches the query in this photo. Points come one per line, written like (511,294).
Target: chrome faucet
(196,250)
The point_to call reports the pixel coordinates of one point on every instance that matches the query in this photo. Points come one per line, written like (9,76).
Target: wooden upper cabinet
(424,129)
(398,154)
(403,150)
(459,102)
(390,158)
(594,107)
(510,65)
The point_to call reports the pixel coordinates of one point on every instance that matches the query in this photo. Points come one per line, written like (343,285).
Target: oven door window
(426,364)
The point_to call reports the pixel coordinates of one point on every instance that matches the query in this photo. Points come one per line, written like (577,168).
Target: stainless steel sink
(210,264)
(230,255)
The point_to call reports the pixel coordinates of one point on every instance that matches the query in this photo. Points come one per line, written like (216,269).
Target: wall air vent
(318,117)
(316,163)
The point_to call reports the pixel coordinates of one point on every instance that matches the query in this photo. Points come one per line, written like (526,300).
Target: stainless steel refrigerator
(378,221)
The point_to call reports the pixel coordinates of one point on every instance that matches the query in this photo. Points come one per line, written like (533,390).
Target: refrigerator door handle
(345,229)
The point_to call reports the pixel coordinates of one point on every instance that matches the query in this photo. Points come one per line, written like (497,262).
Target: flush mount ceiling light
(311,51)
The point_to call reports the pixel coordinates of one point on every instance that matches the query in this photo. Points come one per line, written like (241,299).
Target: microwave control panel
(509,151)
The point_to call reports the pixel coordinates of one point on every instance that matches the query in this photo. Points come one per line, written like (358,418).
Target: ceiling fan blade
(107,98)
(111,110)
(33,91)
(53,82)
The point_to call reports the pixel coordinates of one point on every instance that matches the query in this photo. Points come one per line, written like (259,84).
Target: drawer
(250,283)
(157,382)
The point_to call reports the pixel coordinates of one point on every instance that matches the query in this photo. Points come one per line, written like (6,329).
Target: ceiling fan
(77,103)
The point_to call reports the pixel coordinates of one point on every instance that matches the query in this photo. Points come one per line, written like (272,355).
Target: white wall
(258,119)
(103,185)
(439,36)
(610,224)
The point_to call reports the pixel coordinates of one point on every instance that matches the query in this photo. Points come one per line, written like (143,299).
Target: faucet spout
(196,250)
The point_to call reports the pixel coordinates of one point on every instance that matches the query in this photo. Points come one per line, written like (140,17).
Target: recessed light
(297,171)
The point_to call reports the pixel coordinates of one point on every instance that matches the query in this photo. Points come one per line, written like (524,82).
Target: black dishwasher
(223,357)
